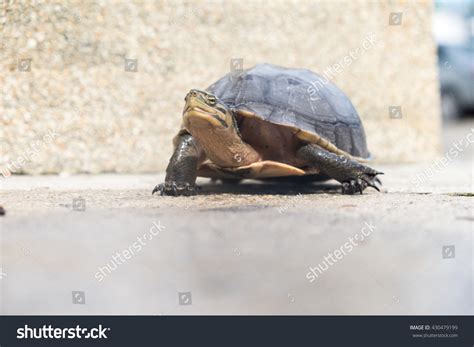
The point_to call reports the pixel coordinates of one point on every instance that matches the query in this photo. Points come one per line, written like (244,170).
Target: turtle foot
(173,189)
(362,181)
(353,175)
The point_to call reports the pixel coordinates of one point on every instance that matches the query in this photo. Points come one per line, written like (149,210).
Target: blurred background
(104,81)
(453,27)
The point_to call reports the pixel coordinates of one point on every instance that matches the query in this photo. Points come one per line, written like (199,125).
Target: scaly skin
(354,176)
(182,169)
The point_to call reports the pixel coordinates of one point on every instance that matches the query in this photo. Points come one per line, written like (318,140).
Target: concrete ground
(243,249)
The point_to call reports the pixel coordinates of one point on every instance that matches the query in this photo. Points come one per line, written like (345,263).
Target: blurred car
(453,29)
(456,73)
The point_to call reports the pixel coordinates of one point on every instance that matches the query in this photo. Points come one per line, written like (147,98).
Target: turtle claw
(372,180)
(360,183)
(353,186)
(174,189)
(377,180)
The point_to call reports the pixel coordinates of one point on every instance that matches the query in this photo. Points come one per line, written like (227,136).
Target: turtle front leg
(181,172)
(354,176)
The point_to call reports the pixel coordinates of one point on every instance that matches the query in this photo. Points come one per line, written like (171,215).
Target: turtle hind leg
(353,176)
(181,172)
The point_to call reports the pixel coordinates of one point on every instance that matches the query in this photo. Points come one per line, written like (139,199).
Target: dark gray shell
(298,98)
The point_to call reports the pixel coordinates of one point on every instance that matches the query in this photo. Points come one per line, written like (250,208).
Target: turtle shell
(315,108)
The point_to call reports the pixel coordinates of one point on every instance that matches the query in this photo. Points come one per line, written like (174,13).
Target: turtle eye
(211,100)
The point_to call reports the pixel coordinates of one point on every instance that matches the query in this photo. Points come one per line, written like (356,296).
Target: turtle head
(205,109)
(213,124)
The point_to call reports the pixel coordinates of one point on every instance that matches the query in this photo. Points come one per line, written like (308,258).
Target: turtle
(269,122)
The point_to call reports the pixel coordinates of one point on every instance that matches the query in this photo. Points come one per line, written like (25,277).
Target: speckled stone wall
(71,102)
